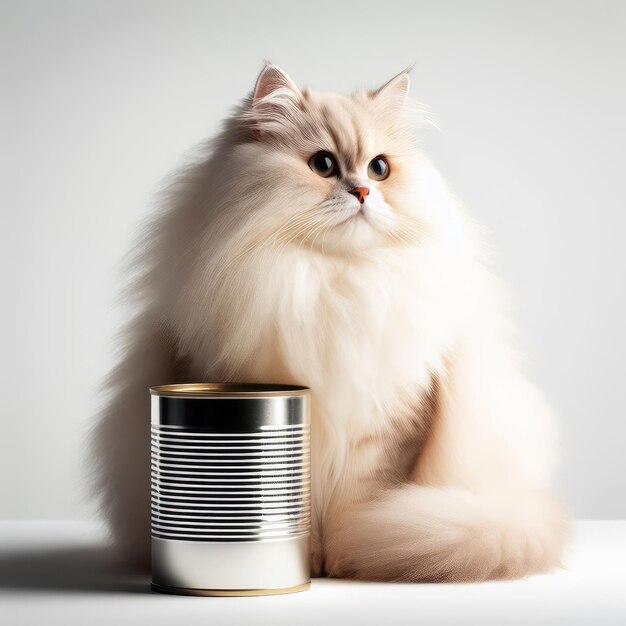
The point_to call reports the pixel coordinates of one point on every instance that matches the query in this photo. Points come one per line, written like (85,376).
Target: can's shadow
(78,569)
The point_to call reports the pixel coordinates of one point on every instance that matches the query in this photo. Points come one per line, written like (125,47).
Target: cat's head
(327,171)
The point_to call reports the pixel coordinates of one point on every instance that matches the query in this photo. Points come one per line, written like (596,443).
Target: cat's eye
(323,164)
(378,169)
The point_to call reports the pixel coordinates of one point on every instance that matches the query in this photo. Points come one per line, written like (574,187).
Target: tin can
(231,507)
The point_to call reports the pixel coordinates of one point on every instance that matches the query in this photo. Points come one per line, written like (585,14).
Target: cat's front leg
(317,555)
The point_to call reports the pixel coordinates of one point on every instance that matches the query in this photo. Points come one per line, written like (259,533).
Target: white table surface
(58,573)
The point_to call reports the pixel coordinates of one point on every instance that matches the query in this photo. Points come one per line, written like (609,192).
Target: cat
(312,243)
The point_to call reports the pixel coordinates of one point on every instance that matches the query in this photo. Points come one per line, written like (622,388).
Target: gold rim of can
(229,592)
(207,390)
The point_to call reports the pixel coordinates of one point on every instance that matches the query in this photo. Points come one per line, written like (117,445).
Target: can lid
(249,390)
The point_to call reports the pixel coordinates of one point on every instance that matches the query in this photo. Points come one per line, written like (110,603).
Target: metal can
(231,507)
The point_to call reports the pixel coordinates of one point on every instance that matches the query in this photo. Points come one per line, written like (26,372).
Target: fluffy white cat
(314,244)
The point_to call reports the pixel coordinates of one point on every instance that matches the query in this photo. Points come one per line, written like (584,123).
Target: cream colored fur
(431,452)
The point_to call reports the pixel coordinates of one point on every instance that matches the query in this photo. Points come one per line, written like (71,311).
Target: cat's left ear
(395,91)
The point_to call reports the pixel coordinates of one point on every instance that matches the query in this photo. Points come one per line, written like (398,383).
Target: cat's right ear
(275,96)
(272,79)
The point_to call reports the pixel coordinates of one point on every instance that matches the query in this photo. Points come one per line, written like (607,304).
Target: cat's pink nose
(360,193)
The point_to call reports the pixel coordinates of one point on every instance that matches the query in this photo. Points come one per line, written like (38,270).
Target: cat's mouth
(355,215)
(359,213)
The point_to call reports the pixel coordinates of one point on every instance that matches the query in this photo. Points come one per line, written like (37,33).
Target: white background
(99,100)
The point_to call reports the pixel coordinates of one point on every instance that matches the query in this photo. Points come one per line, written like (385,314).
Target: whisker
(323,226)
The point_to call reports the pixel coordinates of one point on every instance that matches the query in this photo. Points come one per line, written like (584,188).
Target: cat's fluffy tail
(417,533)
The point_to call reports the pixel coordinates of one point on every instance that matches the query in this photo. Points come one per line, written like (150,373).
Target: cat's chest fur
(366,336)
(363,335)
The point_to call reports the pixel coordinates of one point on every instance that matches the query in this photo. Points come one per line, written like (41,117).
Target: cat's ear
(276,101)
(272,79)
(395,91)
